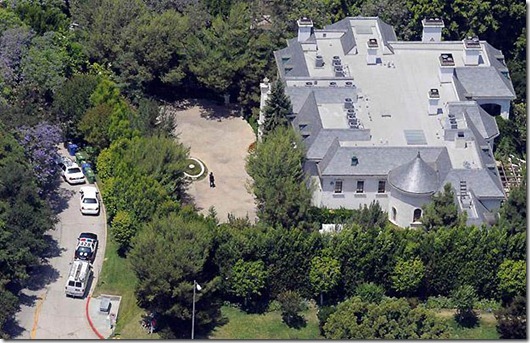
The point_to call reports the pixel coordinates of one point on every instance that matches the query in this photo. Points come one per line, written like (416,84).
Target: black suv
(87,244)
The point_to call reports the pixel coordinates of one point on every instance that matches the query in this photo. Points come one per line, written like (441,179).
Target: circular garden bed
(195,169)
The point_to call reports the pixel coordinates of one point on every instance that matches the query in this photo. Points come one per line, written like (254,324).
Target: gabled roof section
(484,123)
(483,82)
(376,160)
(320,145)
(387,32)
(307,122)
(298,96)
(291,60)
(415,177)
(347,40)
(477,180)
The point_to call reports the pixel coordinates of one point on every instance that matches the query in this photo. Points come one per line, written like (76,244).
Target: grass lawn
(117,278)
(486,329)
(264,326)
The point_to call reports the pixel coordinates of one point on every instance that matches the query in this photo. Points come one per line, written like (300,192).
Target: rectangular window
(360,186)
(338,186)
(382,187)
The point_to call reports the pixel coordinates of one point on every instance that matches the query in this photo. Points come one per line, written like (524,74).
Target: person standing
(212,180)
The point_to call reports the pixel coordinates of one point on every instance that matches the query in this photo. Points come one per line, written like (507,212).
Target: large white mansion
(393,121)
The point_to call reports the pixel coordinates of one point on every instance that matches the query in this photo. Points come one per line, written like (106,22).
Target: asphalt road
(46,312)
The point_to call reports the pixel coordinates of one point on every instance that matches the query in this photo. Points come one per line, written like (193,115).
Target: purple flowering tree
(40,146)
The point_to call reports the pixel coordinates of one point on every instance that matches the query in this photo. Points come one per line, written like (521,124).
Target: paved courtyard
(221,141)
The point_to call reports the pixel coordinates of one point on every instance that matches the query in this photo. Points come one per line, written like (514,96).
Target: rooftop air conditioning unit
(333,84)
(339,71)
(353,124)
(351,116)
(349,84)
(348,103)
(309,84)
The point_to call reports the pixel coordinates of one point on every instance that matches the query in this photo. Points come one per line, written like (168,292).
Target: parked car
(87,245)
(72,173)
(89,201)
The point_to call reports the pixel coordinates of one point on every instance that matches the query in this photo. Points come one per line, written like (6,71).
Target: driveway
(46,313)
(221,141)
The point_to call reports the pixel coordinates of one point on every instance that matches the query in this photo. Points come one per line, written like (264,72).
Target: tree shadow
(294,321)
(467,319)
(40,276)
(12,328)
(52,249)
(58,200)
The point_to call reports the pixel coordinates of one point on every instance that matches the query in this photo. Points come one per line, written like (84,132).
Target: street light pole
(196,287)
(193,311)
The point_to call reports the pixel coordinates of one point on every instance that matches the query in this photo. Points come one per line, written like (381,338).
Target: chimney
(447,67)
(319,62)
(434,100)
(305,28)
(372,48)
(472,50)
(432,30)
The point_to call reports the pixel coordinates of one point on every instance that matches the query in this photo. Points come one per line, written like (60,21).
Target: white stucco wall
(405,205)
(349,198)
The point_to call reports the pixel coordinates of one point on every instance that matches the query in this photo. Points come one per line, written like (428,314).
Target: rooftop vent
(339,71)
(348,103)
(372,43)
(349,84)
(433,21)
(472,42)
(353,123)
(305,20)
(354,160)
(319,62)
(434,93)
(447,60)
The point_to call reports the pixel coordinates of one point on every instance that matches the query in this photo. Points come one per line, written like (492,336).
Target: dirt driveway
(221,141)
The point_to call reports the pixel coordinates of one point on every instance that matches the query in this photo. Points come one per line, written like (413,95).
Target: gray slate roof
(347,40)
(477,180)
(380,160)
(485,123)
(323,140)
(292,57)
(415,177)
(483,82)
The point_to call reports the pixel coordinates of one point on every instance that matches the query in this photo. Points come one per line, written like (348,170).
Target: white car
(72,173)
(89,202)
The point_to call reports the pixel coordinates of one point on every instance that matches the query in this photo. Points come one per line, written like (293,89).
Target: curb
(90,320)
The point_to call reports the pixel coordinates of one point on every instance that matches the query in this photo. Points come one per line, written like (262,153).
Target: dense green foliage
(277,109)
(390,319)
(279,182)
(98,68)
(511,319)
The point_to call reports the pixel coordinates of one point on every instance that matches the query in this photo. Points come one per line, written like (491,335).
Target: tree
(511,319)
(324,275)
(40,145)
(279,182)
(464,298)
(123,229)
(248,279)
(95,126)
(43,16)
(223,45)
(512,278)
(71,101)
(441,211)
(167,256)
(370,292)
(408,275)
(390,319)
(291,305)
(277,107)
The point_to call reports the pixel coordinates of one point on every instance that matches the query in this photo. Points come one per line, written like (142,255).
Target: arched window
(417,215)
(394,213)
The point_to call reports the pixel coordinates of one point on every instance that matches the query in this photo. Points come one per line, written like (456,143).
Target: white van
(78,278)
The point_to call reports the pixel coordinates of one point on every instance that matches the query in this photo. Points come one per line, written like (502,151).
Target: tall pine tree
(277,108)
